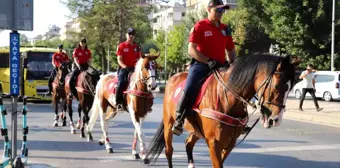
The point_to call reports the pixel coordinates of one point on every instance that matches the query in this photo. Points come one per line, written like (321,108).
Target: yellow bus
(36,67)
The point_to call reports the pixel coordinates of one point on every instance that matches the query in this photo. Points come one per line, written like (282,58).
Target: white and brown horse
(139,100)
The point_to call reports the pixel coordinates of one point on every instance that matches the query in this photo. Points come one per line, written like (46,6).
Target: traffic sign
(16,15)
(14,63)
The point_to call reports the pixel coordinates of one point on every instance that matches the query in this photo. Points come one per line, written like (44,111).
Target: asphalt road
(293,144)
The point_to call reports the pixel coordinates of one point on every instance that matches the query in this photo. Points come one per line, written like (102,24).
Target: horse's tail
(96,105)
(157,144)
(94,113)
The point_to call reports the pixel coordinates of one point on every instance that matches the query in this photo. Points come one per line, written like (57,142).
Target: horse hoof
(73,131)
(82,135)
(191,165)
(89,139)
(55,125)
(110,150)
(136,156)
(146,161)
(100,143)
(64,124)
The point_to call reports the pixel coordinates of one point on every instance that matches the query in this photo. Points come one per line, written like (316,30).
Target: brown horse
(221,114)
(139,100)
(59,94)
(85,85)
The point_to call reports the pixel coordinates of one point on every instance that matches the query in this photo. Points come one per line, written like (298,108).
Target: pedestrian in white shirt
(308,86)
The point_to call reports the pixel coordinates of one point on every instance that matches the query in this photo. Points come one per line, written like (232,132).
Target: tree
(302,28)
(104,24)
(248,34)
(23,39)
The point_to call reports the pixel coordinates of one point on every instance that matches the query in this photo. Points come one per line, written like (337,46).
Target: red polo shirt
(59,58)
(211,41)
(130,53)
(82,55)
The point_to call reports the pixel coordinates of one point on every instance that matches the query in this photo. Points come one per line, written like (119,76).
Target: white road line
(236,150)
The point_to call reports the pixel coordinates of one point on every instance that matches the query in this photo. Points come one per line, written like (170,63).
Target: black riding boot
(73,87)
(119,100)
(50,81)
(50,86)
(181,111)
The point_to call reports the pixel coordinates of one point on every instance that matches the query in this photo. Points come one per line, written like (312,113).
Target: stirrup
(177,129)
(120,108)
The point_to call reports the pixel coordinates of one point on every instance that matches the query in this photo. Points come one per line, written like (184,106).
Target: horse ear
(154,57)
(296,61)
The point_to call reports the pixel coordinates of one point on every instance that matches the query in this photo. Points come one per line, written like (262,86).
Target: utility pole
(332,52)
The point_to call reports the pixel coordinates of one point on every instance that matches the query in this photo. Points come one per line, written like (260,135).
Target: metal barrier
(9,156)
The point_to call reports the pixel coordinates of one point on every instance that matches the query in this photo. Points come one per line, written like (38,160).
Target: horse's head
(63,70)
(273,88)
(146,71)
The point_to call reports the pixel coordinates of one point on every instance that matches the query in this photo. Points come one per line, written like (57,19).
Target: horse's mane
(138,67)
(244,69)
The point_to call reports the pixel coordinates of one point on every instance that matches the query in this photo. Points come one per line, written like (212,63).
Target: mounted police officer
(128,54)
(208,40)
(82,58)
(58,58)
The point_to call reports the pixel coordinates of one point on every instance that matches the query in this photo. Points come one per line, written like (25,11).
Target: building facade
(166,19)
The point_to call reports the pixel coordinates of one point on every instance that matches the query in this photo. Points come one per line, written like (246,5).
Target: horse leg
(134,146)
(215,153)
(70,114)
(104,126)
(56,116)
(137,122)
(79,118)
(82,127)
(189,146)
(226,151)
(168,141)
(64,112)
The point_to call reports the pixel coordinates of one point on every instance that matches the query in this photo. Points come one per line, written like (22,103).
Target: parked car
(326,86)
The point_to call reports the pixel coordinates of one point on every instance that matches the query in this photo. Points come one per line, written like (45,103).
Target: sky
(46,13)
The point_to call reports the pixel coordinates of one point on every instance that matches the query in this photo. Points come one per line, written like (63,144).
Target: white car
(326,86)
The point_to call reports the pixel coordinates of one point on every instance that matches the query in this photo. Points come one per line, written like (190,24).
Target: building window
(183,14)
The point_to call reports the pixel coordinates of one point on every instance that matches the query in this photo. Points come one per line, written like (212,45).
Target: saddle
(208,113)
(81,80)
(112,84)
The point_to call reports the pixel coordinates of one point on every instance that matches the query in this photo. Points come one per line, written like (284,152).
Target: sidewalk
(330,115)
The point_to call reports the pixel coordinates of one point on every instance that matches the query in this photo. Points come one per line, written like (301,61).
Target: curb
(322,118)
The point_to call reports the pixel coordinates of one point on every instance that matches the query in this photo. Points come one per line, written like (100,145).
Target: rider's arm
(230,46)
(195,38)
(89,61)
(53,60)
(67,59)
(192,50)
(120,57)
(75,57)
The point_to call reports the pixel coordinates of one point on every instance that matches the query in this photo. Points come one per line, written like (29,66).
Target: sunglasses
(220,10)
(131,34)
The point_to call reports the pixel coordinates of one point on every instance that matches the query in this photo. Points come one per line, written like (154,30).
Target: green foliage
(104,23)
(302,28)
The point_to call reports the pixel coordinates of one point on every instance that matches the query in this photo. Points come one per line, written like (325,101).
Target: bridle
(145,80)
(264,110)
(266,83)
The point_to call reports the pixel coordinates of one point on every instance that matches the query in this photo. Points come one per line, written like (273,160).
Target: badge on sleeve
(223,32)
(228,31)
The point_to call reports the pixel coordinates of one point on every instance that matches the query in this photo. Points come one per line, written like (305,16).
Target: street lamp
(332,48)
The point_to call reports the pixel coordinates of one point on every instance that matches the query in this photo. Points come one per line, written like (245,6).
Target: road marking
(236,150)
